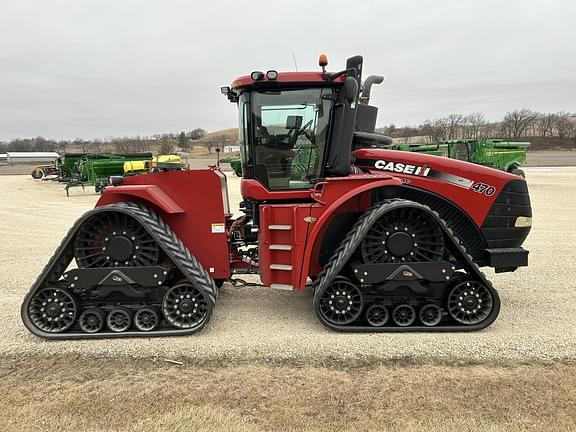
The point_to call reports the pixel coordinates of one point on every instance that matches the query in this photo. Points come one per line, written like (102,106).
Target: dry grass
(123,394)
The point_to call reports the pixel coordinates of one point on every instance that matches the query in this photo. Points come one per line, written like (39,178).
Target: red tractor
(390,240)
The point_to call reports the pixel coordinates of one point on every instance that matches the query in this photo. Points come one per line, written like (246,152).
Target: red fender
(149,193)
(336,194)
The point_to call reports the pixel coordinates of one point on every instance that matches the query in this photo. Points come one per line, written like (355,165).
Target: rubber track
(353,239)
(166,239)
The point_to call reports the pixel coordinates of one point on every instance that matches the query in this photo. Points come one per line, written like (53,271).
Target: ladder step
(280,227)
(280,267)
(280,247)
(282,286)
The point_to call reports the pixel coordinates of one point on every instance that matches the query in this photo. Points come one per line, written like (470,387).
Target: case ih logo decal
(401,168)
(426,171)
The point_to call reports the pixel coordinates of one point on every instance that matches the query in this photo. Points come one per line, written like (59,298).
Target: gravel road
(536,321)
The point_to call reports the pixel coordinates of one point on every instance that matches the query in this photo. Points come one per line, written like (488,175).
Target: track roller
(119,320)
(53,310)
(377,315)
(146,319)
(92,320)
(430,315)
(404,315)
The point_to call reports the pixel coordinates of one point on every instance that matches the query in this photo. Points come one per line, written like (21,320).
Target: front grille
(498,228)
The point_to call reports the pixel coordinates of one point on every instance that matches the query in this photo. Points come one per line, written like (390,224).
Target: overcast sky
(99,68)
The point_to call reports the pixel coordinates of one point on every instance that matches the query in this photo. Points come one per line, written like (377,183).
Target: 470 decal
(483,188)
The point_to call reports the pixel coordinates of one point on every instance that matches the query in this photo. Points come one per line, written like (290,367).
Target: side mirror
(293,122)
(350,89)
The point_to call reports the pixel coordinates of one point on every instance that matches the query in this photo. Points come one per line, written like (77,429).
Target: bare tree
(516,123)
(454,123)
(473,125)
(545,124)
(562,124)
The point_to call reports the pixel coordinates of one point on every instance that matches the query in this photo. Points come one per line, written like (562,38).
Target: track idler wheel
(146,319)
(119,320)
(404,315)
(92,320)
(53,310)
(111,239)
(342,302)
(470,302)
(430,315)
(377,315)
(184,306)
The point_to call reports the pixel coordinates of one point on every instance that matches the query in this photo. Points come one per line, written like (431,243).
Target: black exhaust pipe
(372,79)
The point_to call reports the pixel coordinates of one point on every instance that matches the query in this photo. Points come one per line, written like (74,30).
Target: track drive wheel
(111,239)
(342,302)
(403,235)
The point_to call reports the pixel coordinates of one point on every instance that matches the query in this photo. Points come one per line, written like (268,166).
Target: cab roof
(287,78)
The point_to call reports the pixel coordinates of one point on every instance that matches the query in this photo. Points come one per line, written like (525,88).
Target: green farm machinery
(96,169)
(494,153)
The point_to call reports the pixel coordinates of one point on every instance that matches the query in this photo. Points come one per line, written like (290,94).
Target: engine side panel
(194,203)
(471,187)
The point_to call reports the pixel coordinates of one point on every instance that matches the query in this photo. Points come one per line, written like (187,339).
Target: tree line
(164,143)
(558,129)
(524,123)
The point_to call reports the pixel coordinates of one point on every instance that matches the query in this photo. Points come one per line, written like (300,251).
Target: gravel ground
(536,321)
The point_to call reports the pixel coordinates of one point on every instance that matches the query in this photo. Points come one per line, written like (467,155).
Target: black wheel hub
(400,244)
(184,306)
(53,310)
(119,248)
(406,234)
(470,302)
(341,303)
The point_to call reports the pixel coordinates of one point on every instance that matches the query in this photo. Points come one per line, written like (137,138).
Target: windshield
(289,133)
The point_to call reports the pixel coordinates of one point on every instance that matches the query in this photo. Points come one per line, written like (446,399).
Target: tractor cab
(283,135)
(296,128)
(461,149)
